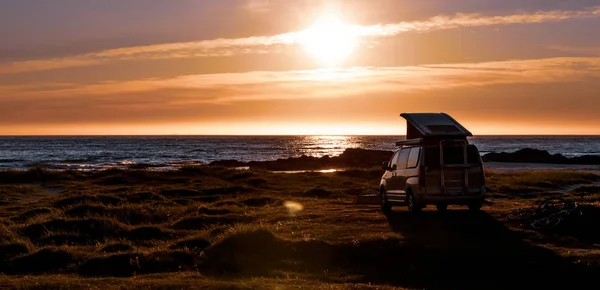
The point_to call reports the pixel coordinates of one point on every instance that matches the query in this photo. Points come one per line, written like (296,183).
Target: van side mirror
(384,166)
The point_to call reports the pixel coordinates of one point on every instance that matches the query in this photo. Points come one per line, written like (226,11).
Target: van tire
(386,207)
(412,204)
(442,207)
(475,207)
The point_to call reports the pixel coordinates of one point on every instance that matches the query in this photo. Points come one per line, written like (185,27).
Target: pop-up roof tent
(435,126)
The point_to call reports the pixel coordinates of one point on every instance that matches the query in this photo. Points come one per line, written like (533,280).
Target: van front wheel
(412,204)
(385,205)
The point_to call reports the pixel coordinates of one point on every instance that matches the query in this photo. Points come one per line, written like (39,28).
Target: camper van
(435,165)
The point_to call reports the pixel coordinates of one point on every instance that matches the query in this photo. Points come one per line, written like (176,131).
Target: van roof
(419,125)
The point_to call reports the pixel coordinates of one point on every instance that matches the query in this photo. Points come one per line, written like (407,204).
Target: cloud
(476,20)
(325,83)
(50,64)
(258,6)
(580,50)
(267,44)
(534,90)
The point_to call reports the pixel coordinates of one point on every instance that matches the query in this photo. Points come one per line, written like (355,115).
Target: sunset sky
(297,66)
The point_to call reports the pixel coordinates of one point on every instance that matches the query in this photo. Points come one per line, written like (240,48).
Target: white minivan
(437,167)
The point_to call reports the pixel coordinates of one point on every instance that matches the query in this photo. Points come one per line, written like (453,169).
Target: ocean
(169,152)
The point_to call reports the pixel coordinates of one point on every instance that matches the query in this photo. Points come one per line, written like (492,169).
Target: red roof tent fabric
(423,125)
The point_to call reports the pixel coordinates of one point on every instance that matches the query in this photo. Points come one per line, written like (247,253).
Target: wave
(109,165)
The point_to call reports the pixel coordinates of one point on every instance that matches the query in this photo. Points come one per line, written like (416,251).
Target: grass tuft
(127,265)
(148,233)
(92,227)
(194,243)
(117,247)
(204,221)
(244,252)
(31,214)
(11,250)
(43,261)
(80,199)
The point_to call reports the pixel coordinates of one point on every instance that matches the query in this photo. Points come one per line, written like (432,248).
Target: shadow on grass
(572,232)
(452,250)
(462,249)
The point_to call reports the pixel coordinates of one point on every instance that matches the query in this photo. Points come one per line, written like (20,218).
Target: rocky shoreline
(351,157)
(363,158)
(529,155)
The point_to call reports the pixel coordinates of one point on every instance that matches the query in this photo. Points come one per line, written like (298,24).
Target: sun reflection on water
(319,146)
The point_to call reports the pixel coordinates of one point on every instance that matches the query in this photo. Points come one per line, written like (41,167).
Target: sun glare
(329,39)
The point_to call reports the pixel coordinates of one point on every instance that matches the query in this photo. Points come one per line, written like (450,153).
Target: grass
(213,227)
(536,181)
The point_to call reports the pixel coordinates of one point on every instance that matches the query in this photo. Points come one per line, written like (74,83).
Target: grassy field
(213,227)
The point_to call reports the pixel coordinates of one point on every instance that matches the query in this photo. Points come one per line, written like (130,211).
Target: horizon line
(278,135)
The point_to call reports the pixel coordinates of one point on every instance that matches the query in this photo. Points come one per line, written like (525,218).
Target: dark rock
(228,163)
(351,157)
(529,155)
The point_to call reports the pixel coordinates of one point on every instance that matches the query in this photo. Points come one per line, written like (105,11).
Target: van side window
(432,157)
(394,161)
(403,158)
(413,158)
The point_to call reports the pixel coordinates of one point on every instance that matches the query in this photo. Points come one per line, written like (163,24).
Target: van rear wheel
(441,207)
(475,206)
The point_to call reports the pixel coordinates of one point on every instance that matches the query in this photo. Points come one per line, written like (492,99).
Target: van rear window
(452,155)
(432,157)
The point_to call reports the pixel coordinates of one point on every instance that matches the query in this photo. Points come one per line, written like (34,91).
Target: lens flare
(293,207)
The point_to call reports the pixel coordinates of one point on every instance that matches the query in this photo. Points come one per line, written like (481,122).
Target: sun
(329,39)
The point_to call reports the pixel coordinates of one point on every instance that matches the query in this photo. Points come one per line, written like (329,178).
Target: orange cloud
(339,82)
(266,44)
(555,92)
(48,64)
(577,49)
(323,83)
(476,20)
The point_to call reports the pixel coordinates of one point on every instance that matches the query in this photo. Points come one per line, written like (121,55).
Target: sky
(271,67)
